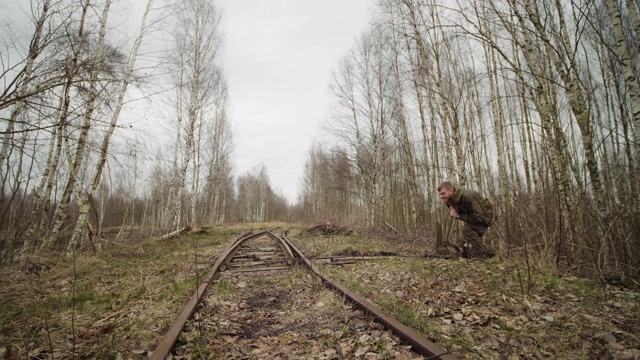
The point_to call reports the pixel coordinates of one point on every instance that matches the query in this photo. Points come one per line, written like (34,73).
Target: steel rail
(285,248)
(171,336)
(419,343)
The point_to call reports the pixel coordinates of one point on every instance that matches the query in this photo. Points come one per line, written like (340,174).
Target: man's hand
(453,212)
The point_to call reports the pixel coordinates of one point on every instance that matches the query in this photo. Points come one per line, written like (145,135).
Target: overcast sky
(278,59)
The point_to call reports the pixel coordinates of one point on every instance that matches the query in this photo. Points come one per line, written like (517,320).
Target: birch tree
(31,86)
(83,217)
(220,145)
(63,206)
(198,42)
(629,73)
(531,102)
(403,130)
(363,87)
(23,86)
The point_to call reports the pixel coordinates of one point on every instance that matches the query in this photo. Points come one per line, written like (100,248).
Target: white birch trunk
(169,218)
(634,15)
(573,89)
(81,223)
(83,218)
(195,187)
(34,51)
(43,193)
(63,206)
(624,56)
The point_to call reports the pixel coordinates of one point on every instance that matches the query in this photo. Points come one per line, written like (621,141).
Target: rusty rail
(419,343)
(171,336)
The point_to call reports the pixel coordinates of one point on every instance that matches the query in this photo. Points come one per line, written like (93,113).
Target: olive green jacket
(472,207)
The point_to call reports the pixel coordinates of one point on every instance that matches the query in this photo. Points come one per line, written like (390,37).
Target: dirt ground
(487,308)
(117,305)
(284,314)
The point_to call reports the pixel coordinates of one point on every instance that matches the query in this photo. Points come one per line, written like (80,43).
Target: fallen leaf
(630,354)
(230,339)
(462,286)
(512,324)
(330,353)
(326,332)
(608,338)
(361,351)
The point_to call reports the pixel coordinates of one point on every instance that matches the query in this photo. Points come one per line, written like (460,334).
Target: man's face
(446,194)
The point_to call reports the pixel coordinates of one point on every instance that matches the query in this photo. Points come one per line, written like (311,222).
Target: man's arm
(475,202)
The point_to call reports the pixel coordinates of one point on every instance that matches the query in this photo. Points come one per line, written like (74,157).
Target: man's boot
(463,249)
(476,250)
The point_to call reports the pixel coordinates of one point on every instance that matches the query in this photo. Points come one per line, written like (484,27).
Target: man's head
(446,191)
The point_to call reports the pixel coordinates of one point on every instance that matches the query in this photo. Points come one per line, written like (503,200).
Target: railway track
(268,301)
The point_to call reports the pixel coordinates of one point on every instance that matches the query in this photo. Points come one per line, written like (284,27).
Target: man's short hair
(445,185)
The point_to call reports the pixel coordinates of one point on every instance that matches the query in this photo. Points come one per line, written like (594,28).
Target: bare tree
(256,200)
(198,42)
(83,217)
(525,100)
(63,206)
(628,72)
(218,149)
(362,118)
(22,81)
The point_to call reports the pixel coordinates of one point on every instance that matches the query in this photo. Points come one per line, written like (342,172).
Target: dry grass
(491,308)
(119,303)
(102,306)
(284,314)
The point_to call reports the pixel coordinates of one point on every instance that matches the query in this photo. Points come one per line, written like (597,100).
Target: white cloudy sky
(278,59)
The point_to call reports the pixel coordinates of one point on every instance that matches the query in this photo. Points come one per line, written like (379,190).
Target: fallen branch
(176,233)
(391,227)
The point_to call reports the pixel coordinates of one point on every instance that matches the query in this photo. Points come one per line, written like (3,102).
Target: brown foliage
(328,229)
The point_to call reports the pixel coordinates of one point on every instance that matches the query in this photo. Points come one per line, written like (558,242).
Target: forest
(535,104)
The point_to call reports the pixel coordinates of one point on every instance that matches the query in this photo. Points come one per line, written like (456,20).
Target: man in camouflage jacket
(477,213)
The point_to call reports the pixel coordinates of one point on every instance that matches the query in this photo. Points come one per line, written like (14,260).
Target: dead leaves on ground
(120,305)
(476,309)
(284,315)
(328,229)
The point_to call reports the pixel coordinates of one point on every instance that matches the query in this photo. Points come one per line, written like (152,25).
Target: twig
(45,315)
(391,227)
(294,327)
(73,307)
